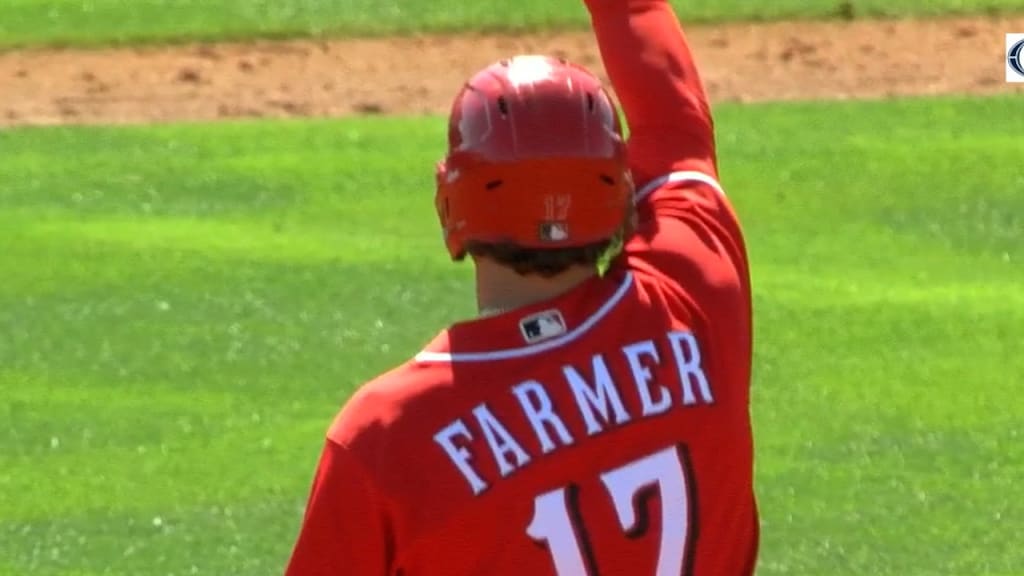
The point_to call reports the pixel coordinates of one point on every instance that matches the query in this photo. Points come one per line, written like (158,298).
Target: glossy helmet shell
(536,158)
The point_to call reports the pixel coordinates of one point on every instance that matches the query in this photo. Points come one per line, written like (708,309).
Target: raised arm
(655,77)
(686,227)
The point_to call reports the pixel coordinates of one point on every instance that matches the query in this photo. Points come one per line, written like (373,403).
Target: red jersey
(606,431)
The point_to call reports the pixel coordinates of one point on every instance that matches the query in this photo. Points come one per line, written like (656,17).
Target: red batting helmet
(536,158)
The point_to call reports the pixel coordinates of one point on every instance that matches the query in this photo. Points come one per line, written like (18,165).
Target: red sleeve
(656,79)
(344,530)
(685,223)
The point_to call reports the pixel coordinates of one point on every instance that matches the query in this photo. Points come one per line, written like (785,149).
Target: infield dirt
(419,75)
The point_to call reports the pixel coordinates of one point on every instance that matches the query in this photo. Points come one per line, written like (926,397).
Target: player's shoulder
(687,221)
(689,243)
(699,178)
(693,196)
(385,402)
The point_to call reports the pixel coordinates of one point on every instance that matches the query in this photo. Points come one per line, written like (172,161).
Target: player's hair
(546,263)
(551,262)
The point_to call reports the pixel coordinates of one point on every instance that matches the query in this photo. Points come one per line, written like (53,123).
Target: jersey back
(606,432)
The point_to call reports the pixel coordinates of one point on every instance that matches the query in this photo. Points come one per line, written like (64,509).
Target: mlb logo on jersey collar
(542,326)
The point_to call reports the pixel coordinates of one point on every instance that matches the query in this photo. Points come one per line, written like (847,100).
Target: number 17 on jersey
(556,520)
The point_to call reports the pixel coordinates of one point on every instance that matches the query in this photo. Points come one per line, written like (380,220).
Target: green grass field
(183,308)
(26,22)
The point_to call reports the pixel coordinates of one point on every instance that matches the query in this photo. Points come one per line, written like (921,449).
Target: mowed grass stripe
(94,22)
(199,463)
(153,542)
(227,239)
(184,307)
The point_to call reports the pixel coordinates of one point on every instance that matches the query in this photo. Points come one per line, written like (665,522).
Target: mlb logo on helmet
(554,231)
(1015,58)
(542,326)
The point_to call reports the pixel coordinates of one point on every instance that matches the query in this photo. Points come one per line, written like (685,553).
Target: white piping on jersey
(524,351)
(676,177)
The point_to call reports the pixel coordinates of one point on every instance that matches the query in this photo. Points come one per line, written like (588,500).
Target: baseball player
(594,419)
